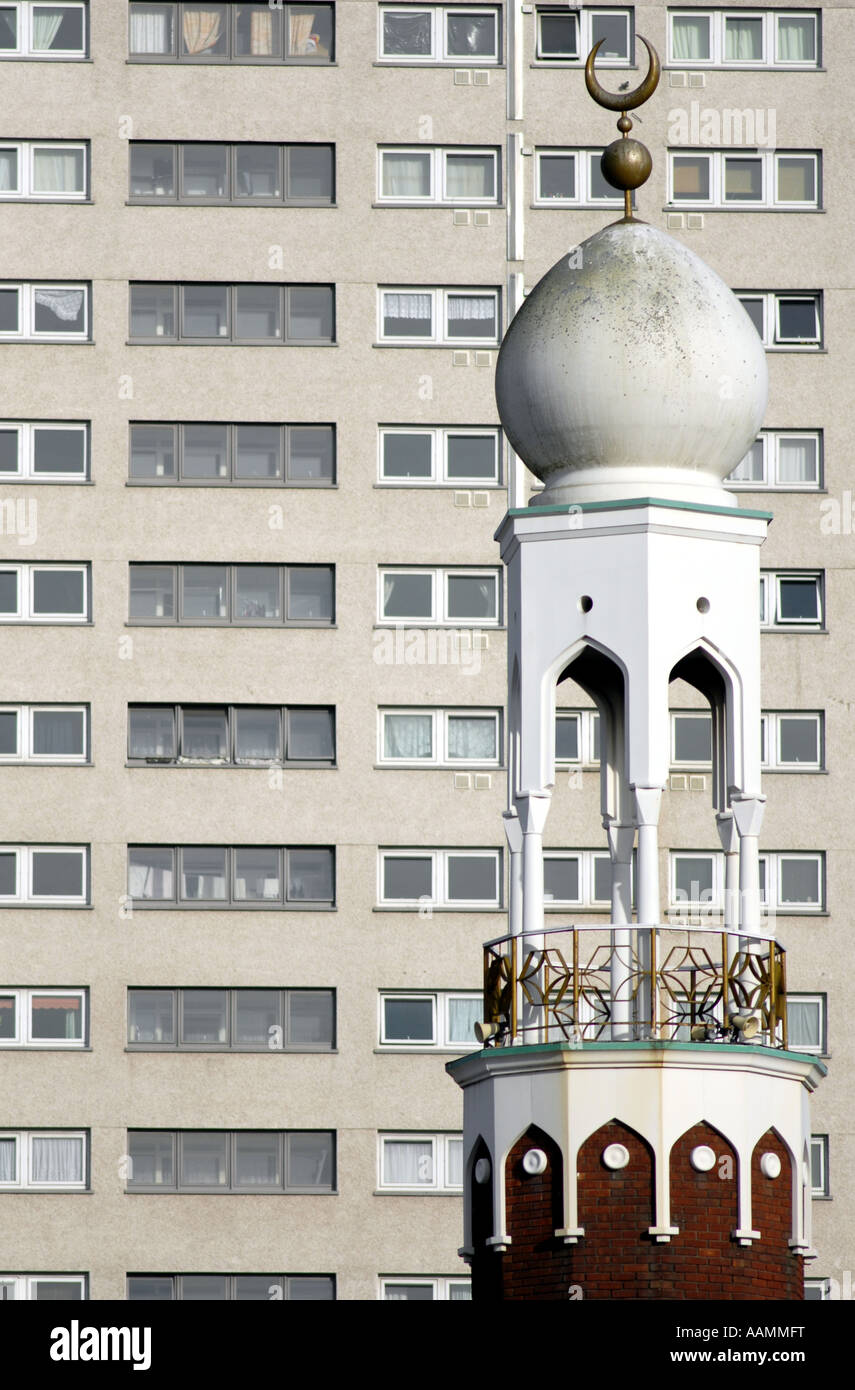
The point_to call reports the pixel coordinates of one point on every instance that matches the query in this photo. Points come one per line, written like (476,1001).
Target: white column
(748,814)
(621,840)
(729,836)
(516,69)
(532,808)
(514,835)
(647,803)
(516,198)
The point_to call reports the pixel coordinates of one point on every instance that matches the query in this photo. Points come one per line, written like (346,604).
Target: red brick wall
(616,1258)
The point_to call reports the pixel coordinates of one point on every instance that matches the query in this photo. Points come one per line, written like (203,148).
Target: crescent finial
(623,101)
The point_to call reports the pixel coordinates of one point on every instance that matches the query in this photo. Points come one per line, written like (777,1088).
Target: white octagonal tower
(636,1106)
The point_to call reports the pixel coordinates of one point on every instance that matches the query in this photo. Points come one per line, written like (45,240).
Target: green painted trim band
(630,503)
(651,1045)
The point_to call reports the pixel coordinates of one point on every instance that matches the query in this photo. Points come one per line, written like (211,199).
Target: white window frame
(439,335)
(586,859)
(771,441)
(769,161)
(24,1139)
(587,724)
(718,59)
(439,737)
(439,194)
(773,860)
(25,33)
(440,616)
(26,331)
(676,714)
(26,587)
(770,600)
(439,1145)
(26,190)
(23,895)
(819,1146)
(439,897)
(439,36)
(26,720)
(583,155)
(24,1018)
(772,760)
(823,1286)
(440,1040)
(771,306)
(439,437)
(26,430)
(24,1286)
(585,30)
(694,906)
(820,1001)
(440,1285)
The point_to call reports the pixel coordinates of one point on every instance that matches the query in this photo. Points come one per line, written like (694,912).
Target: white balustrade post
(621,840)
(748,814)
(647,803)
(729,836)
(532,809)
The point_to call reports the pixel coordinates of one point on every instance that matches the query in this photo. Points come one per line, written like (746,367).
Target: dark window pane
(205,31)
(208,1288)
(405,879)
(310,1160)
(59,311)
(471,596)
(311,734)
(311,453)
(614,28)
(310,875)
(57,29)
(204,592)
(59,451)
(58,1291)
(559,36)
(408,1020)
(799,600)
(694,879)
(257,593)
(203,874)
(152,169)
(258,875)
(311,32)
(9,449)
(204,1016)
(8,733)
(151,1017)
(558,176)
(310,313)
(799,740)
(152,733)
(407,315)
(407,455)
(257,32)
(152,1155)
(8,1006)
(8,591)
(257,1016)
(205,734)
(57,873)
(58,591)
(743,180)
(8,873)
(602,879)
(259,452)
(471,316)
(258,171)
(152,311)
(259,312)
(258,735)
(407,596)
(204,1160)
(561,880)
(152,29)
(257,1288)
(472,456)
(57,1017)
(567,739)
(407,34)
(58,733)
(258,1161)
(9,310)
(8,29)
(205,451)
(205,171)
(152,451)
(800,881)
(310,172)
(205,312)
(304,1290)
(471,35)
(798,320)
(692,739)
(472,877)
(310,592)
(150,874)
(311,1018)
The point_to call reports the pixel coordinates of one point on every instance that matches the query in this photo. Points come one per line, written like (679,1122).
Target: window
(441,317)
(43,171)
(43,1017)
(49,31)
(243,175)
(44,733)
(577,736)
(43,1288)
(793,741)
(219,455)
(423,596)
(453,457)
(33,1160)
(417,1289)
(791,599)
(440,737)
(817,1290)
(44,593)
(691,739)
(218,33)
(231,1161)
(439,1021)
(452,878)
(459,34)
(230,735)
(760,38)
(44,312)
(232,1020)
(44,875)
(755,179)
(784,320)
(238,1288)
(232,595)
(44,451)
(789,882)
(424,175)
(262,314)
(819,1186)
(782,460)
(578,878)
(567,35)
(807,1021)
(421,1163)
(214,876)
(572,178)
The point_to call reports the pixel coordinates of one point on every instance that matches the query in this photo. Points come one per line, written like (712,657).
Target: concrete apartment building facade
(253,674)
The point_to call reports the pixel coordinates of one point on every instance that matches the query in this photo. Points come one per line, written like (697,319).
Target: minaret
(635,1126)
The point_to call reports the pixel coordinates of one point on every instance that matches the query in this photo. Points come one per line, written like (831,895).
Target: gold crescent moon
(623,101)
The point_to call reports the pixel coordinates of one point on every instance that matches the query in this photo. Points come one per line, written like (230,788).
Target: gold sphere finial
(626,164)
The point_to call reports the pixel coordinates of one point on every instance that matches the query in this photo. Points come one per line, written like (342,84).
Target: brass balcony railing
(598,984)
